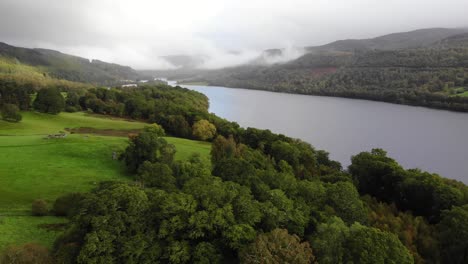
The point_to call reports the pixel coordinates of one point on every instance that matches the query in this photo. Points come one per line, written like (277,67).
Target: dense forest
(261,197)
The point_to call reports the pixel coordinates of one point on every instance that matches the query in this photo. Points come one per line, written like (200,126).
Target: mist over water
(417,137)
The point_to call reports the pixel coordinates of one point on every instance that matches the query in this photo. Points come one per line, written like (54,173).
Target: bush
(39,207)
(71,109)
(68,204)
(10,112)
(26,254)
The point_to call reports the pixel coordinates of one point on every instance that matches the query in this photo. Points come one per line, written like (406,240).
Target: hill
(414,68)
(403,40)
(73,68)
(32,167)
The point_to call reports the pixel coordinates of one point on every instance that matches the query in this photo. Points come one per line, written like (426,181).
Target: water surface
(417,137)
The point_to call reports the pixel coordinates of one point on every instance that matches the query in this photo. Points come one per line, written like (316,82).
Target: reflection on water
(433,140)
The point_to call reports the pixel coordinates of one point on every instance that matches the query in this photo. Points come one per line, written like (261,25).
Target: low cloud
(139,32)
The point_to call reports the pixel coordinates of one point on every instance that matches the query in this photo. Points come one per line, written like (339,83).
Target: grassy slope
(32,167)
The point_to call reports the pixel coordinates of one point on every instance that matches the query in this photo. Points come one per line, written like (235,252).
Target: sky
(225,32)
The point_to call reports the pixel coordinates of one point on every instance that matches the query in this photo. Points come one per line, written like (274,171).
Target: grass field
(33,167)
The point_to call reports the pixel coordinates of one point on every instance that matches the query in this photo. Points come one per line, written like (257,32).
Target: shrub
(71,109)
(68,204)
(39,207)
(10,112)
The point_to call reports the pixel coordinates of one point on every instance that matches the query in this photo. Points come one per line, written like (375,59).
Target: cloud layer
(138,32)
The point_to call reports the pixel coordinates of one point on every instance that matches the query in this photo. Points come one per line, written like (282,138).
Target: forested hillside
(432,75)
(260,195)
(72,68)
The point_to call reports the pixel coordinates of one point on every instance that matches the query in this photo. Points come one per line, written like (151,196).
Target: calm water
(432,140)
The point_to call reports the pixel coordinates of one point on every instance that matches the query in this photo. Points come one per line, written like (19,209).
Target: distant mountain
(424,67)
(460,40)
(69,67)
(404,40)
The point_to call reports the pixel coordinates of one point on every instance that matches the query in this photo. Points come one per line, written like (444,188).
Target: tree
(39,207)
(203,130)
(277,246)
(72,103)
(177,125)
(26,254)
(148,146)
(157,175)
(335,242)
(113,226)
(222,148)
(49,100)
(345,201)
(281,150)
(376,174)
(328,241)
(10,112)
(453,230)
(155,129)
(206,253)
(370,245)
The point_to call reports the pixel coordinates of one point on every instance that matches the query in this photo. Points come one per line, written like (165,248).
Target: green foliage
(114,234)
(12,93)
(206,253)
(157,175)
(453,229)
(10,112)
(68,204)
(223,148)
(335,242)
(345,201)
(370,245)
(329,240)
(277,246)
(155,129)
(257,182)
(39,207)
(177,125)
(203,130)
(49,100)
(148,146)
(423,193)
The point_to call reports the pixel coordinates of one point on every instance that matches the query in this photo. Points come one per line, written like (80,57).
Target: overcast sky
(137,32)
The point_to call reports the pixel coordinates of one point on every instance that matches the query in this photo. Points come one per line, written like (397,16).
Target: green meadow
(33,167)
